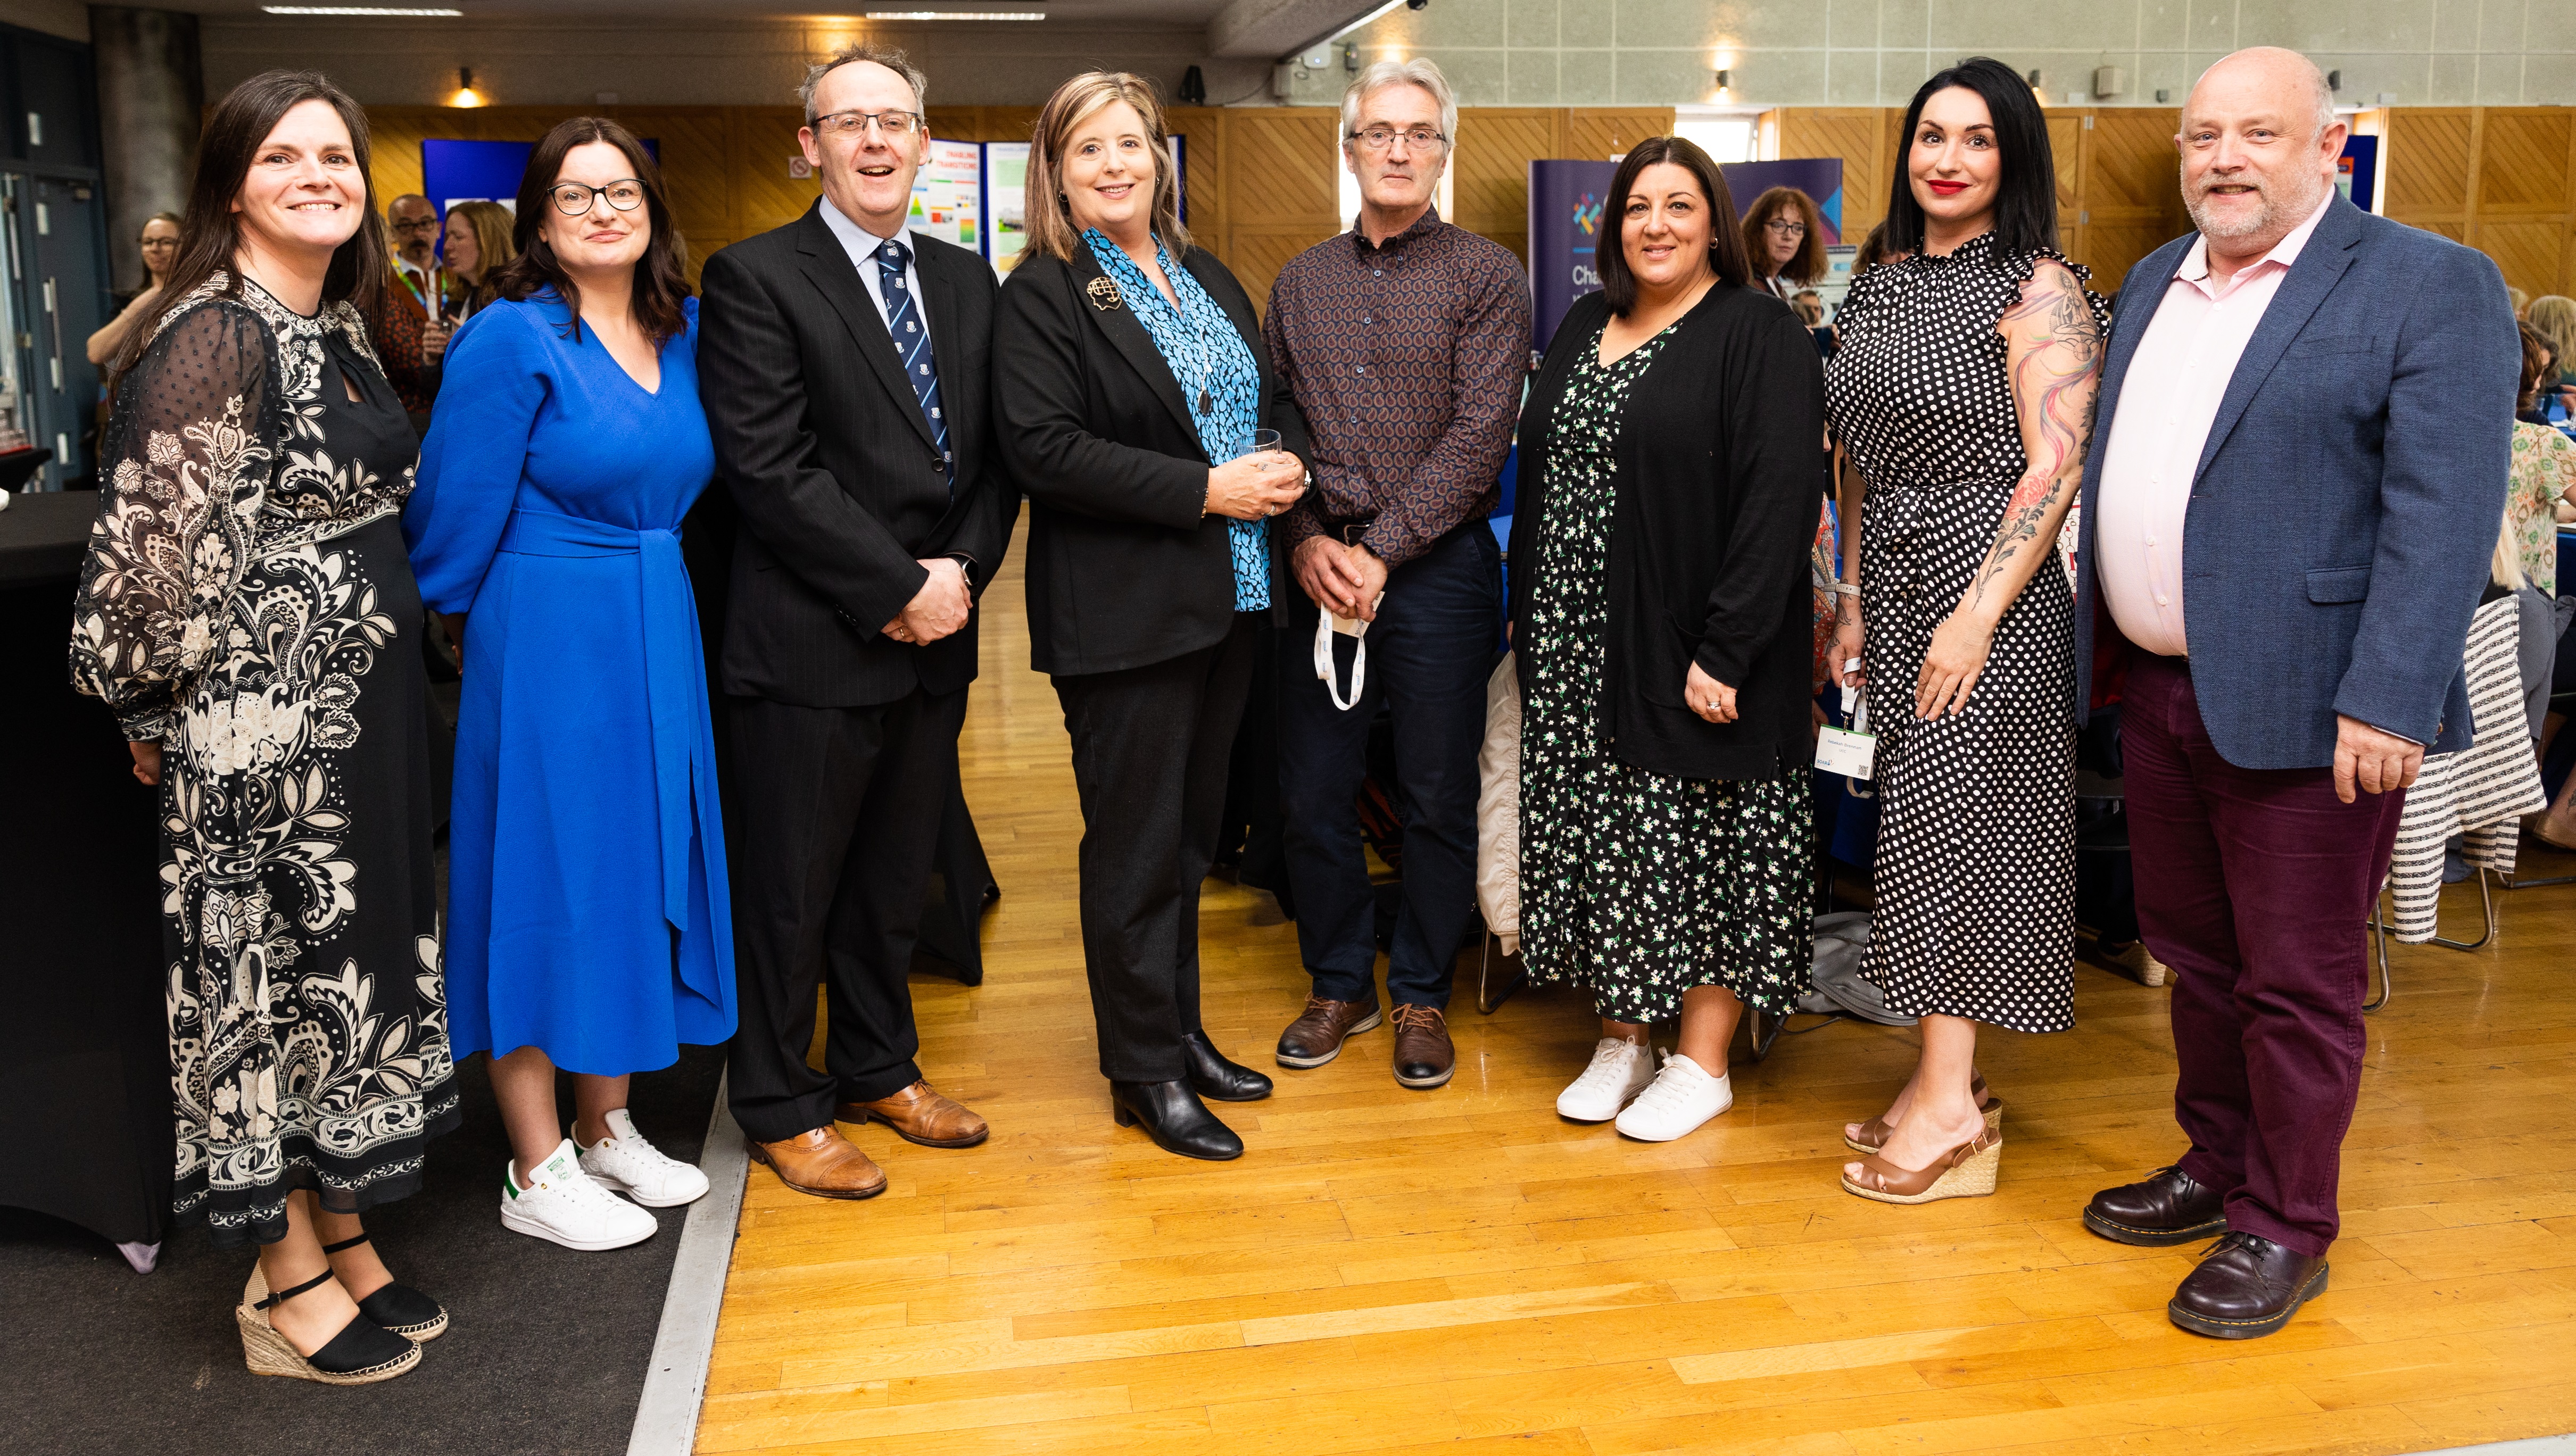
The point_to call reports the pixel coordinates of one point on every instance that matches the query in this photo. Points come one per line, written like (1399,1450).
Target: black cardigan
(1124,569)
(1708,541)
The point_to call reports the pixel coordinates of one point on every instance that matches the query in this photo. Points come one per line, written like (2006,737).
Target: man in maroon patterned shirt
(1406,340)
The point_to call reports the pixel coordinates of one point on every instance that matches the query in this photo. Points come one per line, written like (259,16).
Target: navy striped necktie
(912,344)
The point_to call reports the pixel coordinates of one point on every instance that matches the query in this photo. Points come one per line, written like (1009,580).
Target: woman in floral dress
(247,611)
(1662,614)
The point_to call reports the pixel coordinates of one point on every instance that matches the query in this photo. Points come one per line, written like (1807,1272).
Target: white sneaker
(1681,1098)
(1620,1070)
(562,1204)
(636,1168)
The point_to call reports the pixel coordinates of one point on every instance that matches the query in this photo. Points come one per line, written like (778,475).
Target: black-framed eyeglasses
(573,199)
(894,124)
(413,225)
(1418,138)
(1787,227)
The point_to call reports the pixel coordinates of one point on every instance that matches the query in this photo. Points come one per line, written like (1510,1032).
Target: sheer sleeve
(184,470)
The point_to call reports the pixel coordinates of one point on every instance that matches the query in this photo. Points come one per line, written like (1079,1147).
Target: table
(84,1058)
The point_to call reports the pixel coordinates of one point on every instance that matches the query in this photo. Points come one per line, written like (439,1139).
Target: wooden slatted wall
(2500,178)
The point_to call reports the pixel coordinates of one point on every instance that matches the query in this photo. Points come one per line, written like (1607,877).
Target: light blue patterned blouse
(1211,363)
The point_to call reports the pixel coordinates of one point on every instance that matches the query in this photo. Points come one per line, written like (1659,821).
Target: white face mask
(1326,624)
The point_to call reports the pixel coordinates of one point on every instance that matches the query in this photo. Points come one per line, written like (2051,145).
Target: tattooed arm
(2054,355)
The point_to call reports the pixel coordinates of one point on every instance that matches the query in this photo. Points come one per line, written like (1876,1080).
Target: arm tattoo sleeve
(2056,370)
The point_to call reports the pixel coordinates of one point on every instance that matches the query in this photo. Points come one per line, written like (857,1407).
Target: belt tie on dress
(674,676)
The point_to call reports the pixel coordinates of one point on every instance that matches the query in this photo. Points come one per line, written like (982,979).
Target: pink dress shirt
(2168,402)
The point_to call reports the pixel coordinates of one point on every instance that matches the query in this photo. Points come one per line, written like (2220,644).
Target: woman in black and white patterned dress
(246,611)
(1964,391)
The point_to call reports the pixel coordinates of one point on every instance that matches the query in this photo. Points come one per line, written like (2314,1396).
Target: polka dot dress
(1975,875)
(1634,885)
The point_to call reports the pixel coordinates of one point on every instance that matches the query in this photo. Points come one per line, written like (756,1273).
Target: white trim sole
(675,1383)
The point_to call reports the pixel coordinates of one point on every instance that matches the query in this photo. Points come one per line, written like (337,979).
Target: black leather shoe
(2247,1288)
(2170,1207)
(1175,1119)
(1215,1078)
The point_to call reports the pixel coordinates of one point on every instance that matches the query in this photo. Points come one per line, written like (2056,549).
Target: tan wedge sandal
(1966,1171)
(363,1353)
(1874,1133)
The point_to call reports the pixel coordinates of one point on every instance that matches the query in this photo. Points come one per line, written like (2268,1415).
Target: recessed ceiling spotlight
(956,15)
(359,10)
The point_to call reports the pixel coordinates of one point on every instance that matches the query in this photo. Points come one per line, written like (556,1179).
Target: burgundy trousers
(2254,886)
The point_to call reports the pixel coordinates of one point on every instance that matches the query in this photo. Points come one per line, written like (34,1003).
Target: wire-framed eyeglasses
(573,199)
(895,125)
(1787,227)
(1418,138)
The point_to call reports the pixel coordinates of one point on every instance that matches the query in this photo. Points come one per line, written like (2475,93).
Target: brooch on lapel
(1104,293)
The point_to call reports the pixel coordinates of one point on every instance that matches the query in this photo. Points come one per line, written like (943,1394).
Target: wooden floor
(1461,1271)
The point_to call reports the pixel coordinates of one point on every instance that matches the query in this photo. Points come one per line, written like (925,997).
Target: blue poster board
(1820,178)
(453,172)
(2357,171)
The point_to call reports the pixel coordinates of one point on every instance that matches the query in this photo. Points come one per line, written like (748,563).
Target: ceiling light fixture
(441,14)
(956,15)
(465,95)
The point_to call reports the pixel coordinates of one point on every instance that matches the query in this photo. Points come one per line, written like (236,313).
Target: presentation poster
(1819,177)
(1566,200)
(454,172)
(2357,172)
(1006,175)
(948,194)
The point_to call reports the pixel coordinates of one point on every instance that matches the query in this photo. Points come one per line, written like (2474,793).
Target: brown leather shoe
(1316,1037)
(823,1163)
(919,1115)
(1423,1055)
(2168,1207)
(2247,1287)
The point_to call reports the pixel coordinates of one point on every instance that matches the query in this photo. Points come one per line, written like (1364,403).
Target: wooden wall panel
(2429,151)
(1282,195)
(2067,136)
(1860,136)
(762,142)
(1608,131)
(1489,175)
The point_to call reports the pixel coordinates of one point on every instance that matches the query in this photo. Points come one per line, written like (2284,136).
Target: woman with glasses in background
(1784,235)
(160,246)
(588,923)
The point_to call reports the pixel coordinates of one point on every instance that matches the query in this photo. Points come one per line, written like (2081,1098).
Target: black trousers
(1150,750)
(837,814)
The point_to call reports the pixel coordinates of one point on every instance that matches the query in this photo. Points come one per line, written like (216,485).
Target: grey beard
(2275,206)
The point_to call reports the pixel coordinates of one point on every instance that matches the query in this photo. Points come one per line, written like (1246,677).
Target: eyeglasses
(1787,227)
(896,125)
(572,199)
(1379,138)
(415,225)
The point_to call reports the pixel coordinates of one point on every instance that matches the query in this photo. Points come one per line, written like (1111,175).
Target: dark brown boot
(2247,1288)
(2169,1207)
(1423,1055)
(1316,1037)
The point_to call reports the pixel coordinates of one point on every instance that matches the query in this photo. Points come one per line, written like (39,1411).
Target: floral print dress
(2544,469)
(247,603)
(1636,886)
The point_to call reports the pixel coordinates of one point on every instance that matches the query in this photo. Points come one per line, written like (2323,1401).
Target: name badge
(1103,292)
(1851,751)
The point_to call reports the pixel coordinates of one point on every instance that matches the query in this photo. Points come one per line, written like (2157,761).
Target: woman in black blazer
(1131,381)
(1660,613)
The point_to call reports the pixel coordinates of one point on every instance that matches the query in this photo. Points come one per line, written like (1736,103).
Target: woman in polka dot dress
(1964,390)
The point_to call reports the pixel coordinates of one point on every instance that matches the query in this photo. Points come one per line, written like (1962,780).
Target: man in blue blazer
(2296,481)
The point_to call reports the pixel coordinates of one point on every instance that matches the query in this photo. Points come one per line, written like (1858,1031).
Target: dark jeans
(835,823)
(1150,749)
(1430,651)
(2253,884)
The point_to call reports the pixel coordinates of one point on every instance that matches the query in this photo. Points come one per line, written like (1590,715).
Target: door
(55,258)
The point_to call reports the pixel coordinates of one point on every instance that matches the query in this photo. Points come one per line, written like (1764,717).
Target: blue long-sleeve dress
(587,912)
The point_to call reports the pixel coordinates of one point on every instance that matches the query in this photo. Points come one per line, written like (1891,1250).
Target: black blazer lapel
(2320,266)
(827,266)
(1127,334)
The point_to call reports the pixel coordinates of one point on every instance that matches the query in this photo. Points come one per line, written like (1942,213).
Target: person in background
(1133,381)
(308,1026)
(844,358)
(589,926)
(1875,251)
(1809,305)
(2290,558)
(410,336)
(1963,391)
(2521,302)
(2543,489)
(479,248)
(1405,340)
(2554,316)
(1784,235)
(1663,632)
(160,248)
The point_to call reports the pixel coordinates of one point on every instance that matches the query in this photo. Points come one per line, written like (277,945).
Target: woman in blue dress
(587,920)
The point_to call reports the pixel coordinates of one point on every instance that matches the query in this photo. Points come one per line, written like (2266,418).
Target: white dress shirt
(862,247)
(2168,403)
